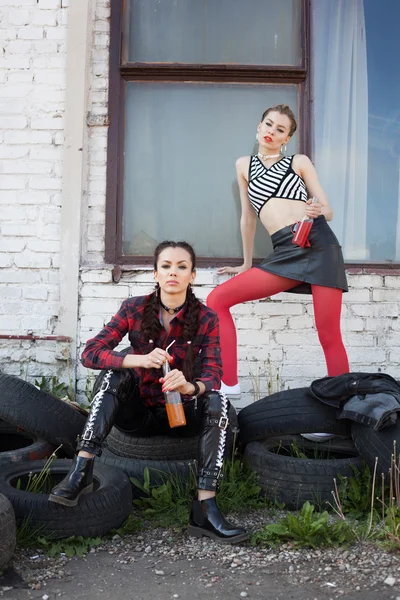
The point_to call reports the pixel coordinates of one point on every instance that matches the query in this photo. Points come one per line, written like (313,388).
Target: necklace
(267,156)
(172,311)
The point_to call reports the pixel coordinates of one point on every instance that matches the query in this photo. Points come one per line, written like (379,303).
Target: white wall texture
(278,343)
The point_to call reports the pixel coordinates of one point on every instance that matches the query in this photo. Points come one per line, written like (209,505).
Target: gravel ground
(167,564)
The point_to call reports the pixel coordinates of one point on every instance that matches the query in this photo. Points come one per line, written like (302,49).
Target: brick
(45,183)
(365,281)
(30,33)
(303,322)
(46,47)
(6,260)
(385,295)
(277,308)
(56,122)
(38,245)
(358,339)
(8,197)
(18,230)
(35,260)
(8,291)
(369,356)
(19,17)
(96,276)
(27,197)
(104,306)
(15,90)
(252,323)
(13,122)
(35,293)
(57,33)
(27,137)
(358,295)
(20,77)
(13,151)
(10,324)
(45,18)
(18,46)
(20,276)
(308,337)
(392,282)
(13,61)
(27,166)
(105,291)
(11,182)
(49,4)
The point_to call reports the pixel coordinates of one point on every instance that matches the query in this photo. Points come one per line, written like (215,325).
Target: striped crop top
(279,181)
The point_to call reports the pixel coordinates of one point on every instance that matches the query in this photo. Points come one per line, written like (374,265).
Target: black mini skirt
(320,264)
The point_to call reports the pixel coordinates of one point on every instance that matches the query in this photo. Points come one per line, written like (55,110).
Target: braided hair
(151,325)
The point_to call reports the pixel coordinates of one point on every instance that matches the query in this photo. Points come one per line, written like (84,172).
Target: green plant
(306,529)
(40,483)
(355,493)
(133,524)
(166,504)
(54,386)
(27,535)
(239,488)
(273,382)
(72,546)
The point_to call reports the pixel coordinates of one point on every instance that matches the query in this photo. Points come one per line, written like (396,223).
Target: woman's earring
(283,148)
(257,136)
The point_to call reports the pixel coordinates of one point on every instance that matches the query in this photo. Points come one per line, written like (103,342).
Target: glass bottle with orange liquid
(173,404)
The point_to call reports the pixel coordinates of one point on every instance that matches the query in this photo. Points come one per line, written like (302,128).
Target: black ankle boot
(205,519)
(78,481)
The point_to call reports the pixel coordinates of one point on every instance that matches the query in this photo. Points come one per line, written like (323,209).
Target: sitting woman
(130,390)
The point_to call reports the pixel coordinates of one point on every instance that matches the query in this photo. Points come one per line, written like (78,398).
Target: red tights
(255,284)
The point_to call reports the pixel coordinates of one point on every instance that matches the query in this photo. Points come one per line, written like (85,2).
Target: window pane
(263,32)
(181,143)
(358,123)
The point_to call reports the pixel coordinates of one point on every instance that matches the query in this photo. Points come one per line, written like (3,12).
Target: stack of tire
(33,424)
(271,426)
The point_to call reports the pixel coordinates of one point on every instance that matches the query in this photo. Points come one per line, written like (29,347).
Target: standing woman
(278,189)
(129,393)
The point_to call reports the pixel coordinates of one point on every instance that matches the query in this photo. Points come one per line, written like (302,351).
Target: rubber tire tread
(159,470)
(289,412)
(371,444)
(158,447)
(36,450)
(8,531)
(39,413)
(96,514)
(293,481)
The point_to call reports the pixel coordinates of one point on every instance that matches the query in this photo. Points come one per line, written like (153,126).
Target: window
(187,89)
(357,123)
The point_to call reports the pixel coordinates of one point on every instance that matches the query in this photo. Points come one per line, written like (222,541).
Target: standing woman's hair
(151,325)
(282,109)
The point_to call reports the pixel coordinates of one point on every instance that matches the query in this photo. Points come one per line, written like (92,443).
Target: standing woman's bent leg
(327,309)
(250,285)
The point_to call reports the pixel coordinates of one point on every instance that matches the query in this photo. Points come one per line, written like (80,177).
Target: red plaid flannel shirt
(99,354)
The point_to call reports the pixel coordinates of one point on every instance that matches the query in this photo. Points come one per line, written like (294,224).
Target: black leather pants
(116,401)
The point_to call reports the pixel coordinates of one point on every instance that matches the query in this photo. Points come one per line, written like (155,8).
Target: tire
(289,412)
(159,470)
(158,447)
(39,413)
(292,480)
(17,445)
(96,514)
(371,444)
(8,531)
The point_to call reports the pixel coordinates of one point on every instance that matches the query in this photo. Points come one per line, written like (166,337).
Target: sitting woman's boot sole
(66,502)
(199,532)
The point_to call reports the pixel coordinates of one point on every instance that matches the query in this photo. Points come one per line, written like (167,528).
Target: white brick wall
(277,341)
(32,72)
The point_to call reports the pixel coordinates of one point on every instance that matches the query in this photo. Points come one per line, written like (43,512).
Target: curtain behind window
(341,117)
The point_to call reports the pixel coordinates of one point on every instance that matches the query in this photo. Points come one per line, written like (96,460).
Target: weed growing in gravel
(306,529)
(72,546)
(355,493)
